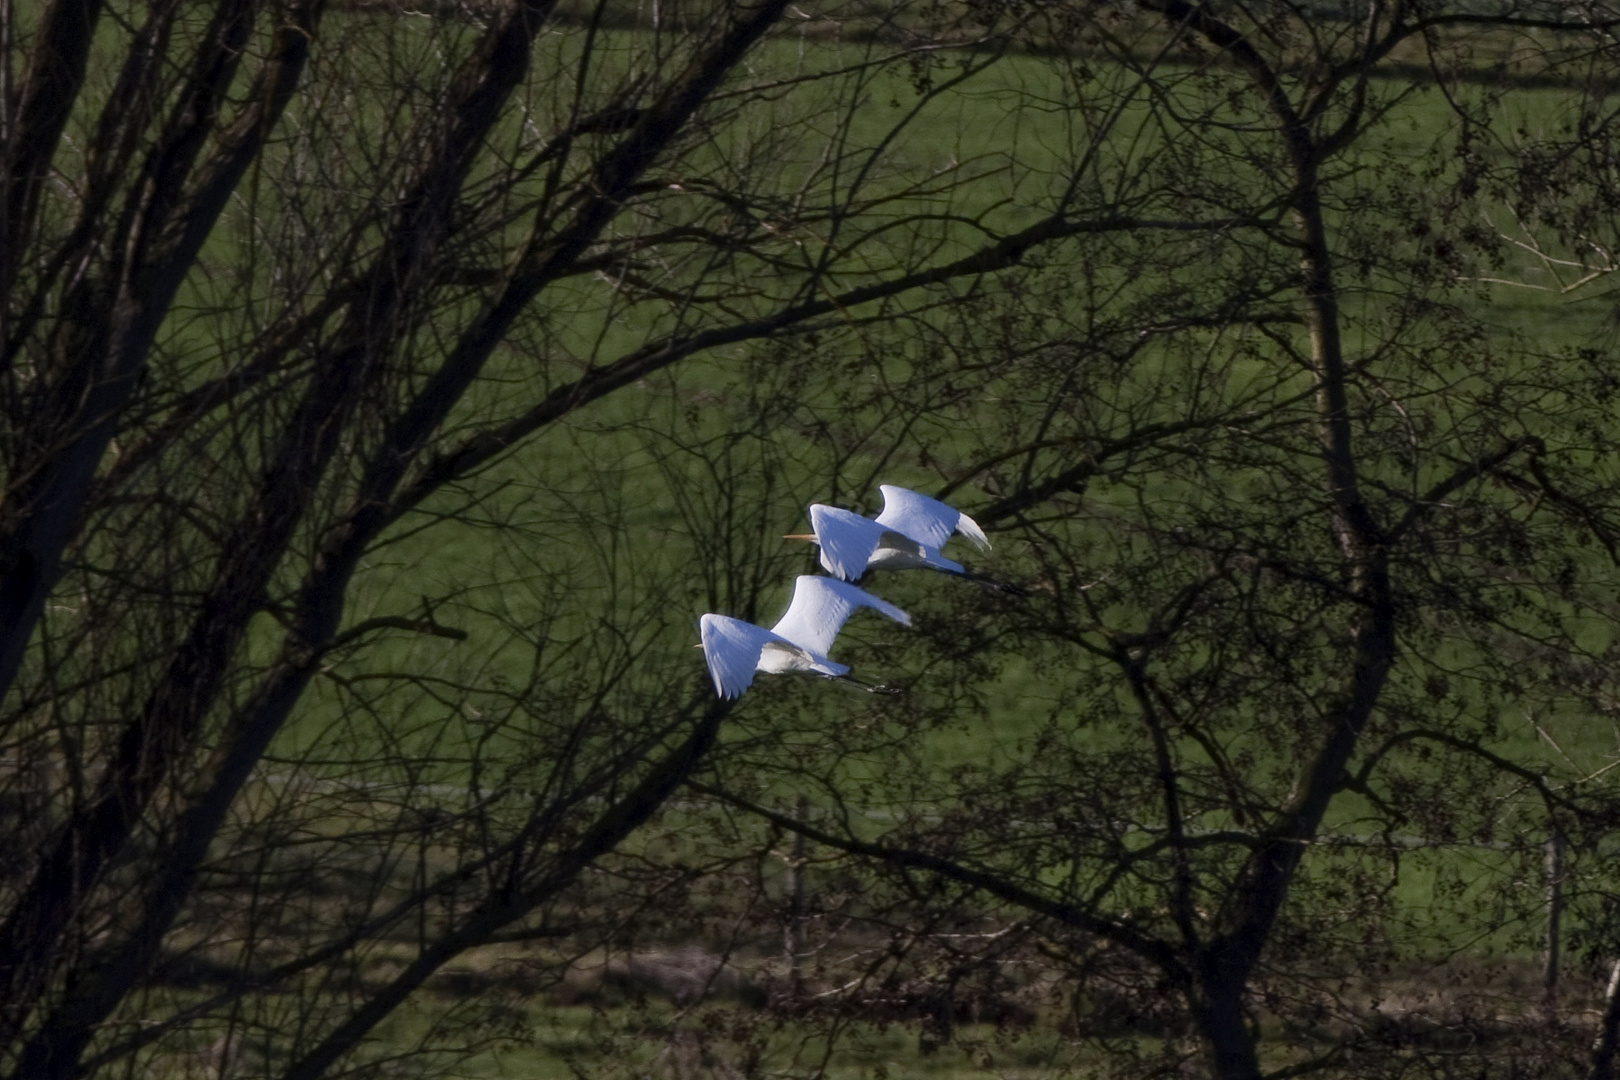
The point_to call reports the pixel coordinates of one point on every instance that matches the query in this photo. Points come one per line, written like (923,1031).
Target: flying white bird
(798,642)
(907,535)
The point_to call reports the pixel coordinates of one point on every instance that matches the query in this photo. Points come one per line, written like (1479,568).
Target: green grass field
(585,508)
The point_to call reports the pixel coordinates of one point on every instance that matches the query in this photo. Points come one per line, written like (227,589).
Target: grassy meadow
(591,503)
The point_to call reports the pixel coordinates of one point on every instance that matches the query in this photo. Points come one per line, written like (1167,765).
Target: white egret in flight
(907,535)
(798,642)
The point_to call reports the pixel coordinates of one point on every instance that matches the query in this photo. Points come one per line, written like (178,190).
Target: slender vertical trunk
(1608,1041)
(1555,913)
(793,888)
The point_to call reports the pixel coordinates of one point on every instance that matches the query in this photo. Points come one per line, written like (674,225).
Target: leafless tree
(285,286)
(1309,530)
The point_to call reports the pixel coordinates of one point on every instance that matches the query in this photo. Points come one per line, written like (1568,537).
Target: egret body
(798,642)
(907,535)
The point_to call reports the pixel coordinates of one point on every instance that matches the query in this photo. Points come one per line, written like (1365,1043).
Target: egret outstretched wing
(820,607)
(847,540)
(926,520)
(732,648)
(851,545)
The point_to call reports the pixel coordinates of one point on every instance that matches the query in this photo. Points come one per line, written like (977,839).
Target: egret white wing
(820,607)
(970,529)
(732,648)
(847,540)
(927,520)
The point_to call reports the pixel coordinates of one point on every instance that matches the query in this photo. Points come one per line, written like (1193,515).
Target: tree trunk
(1219,1016)
(1608,1040)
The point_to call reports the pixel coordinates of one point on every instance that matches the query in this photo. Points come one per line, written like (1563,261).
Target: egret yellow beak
(798,536)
